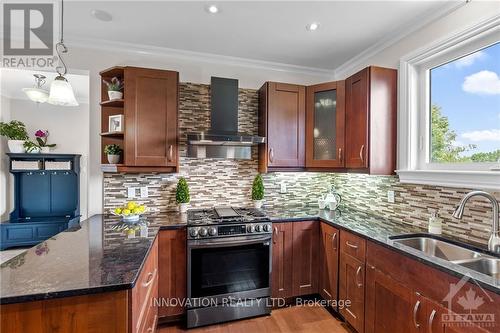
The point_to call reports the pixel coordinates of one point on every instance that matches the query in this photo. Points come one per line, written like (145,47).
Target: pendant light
(37,94)
(61,92)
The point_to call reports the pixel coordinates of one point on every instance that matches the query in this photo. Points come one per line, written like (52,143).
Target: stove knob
(193,232)
(203,232)
(212,231)
(250,228)
(267,227)
(258,228)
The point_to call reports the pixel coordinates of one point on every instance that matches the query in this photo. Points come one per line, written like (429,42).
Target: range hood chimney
(223,139)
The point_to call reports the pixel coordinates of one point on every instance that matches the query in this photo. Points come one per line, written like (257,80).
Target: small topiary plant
(112,149)
(182,192)
(258,188)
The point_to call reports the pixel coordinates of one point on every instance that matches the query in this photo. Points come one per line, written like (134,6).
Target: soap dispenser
(435,223)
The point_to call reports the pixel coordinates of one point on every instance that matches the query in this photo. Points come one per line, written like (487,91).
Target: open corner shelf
(117,134)
(117,103)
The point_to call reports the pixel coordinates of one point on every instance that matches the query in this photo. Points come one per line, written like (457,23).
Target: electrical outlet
(131,192)
(144,192)
(282,187)
(390,196)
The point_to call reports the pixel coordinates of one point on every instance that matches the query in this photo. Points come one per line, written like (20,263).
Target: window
(464,108)
(449,111)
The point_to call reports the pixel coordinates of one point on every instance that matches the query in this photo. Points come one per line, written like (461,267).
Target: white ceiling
(14,80)
(258,30)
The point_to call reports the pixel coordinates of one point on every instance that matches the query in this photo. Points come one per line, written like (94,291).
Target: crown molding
(356,62)
(158,51)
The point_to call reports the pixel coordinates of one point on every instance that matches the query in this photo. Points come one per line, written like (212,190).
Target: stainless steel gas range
(229,265)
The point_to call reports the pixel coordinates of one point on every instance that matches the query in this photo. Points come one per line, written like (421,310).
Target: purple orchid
(41,133)
(41,137)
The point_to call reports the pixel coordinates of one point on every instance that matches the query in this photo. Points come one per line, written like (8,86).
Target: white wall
(456,21)
(68,128)
(5,184)
(94,58)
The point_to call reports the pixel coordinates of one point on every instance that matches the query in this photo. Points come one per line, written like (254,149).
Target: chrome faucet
(494,241)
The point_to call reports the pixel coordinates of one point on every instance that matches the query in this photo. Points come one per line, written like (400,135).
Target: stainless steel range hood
(223,139)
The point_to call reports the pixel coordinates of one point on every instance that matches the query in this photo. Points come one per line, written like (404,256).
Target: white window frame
(413,113)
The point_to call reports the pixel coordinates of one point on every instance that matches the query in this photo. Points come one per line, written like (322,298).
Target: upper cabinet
(282,122)
(148,126)
(370,121)
(325,120)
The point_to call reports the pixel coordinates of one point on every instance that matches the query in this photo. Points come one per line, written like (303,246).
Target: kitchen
(262,186)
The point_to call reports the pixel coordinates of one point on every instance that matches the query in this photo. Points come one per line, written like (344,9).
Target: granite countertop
(379,230)
(98,256)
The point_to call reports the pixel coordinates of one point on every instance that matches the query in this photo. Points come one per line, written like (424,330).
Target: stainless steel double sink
(454,253)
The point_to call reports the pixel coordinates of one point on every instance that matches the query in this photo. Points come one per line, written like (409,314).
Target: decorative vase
(16,146)
(131,218)
(183,207)
(258,203)
(33,150)
(114,95)
(45,150)
(113,159)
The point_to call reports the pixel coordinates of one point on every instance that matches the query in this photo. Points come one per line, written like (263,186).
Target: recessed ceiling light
(212,9)
(101,15)
(312,26)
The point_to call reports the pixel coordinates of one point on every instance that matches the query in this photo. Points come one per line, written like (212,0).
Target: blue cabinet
(46,201)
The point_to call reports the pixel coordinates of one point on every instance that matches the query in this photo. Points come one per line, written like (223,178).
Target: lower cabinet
(305,257)
(144,309)
(295,259)
(172,271)
(329,262)
(281,276)
(390,305)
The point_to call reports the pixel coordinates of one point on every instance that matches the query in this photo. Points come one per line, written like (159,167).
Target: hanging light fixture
(61,92)
(37,94)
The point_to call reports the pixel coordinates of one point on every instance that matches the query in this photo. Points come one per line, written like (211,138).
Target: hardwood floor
(290,319)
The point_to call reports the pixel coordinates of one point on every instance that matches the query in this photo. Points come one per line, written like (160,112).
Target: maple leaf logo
(470,301)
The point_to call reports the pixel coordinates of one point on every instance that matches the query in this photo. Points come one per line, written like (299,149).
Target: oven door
(238,267)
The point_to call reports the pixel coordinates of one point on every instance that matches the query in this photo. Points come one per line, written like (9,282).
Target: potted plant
(182,195)
(257,191)
(115,87)
(113,153)
(31,147)
(41,137)
(15,132)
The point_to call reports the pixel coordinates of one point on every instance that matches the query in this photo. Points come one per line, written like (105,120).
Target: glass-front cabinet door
(325,121)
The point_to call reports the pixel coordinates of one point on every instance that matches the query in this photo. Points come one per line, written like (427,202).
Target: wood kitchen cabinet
(172,270)
(144,310)
(282,122)
(325,125)
(305,257)
(281,283)
(390,305)
(329,262)
(352,279)
(370,121)
(149,134)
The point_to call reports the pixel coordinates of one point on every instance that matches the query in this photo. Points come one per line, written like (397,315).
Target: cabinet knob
(415,312)
(340,154)
(271,155)
(431,320)
(358,271)
(361,153)
(334,243)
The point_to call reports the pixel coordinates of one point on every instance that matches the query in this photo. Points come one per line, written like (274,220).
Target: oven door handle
(202,245)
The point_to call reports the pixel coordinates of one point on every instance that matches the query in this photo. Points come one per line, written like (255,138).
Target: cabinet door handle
(415,312)
(361,154)
(271,155)
(275,234)
(334,243)
(360,284)
(170,153)
(340,154)
(351,245)
(149,280)
(431,320)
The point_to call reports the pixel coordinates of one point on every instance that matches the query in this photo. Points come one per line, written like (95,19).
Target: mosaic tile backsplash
(228,182)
